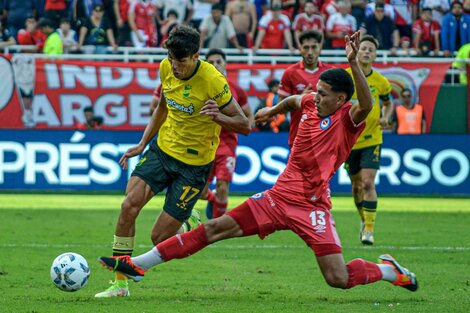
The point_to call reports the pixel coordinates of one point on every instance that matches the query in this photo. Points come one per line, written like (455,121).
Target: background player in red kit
(225,157)
(300,199)
(302,76)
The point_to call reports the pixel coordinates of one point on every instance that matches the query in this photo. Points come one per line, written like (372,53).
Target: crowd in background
(404,27)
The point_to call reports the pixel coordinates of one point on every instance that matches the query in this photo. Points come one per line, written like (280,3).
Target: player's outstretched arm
(359,111)
(288,104)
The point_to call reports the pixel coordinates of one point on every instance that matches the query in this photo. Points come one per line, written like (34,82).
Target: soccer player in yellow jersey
(364,160)
(196,102)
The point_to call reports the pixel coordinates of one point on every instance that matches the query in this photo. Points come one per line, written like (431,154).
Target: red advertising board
(51,94)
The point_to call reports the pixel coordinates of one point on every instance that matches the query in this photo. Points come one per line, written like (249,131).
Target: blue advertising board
(88,160)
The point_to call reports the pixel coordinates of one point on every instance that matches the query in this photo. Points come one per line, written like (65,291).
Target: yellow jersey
(380,88)
(187,135)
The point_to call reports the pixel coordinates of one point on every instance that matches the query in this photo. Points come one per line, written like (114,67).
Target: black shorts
(184,182)
(363,158)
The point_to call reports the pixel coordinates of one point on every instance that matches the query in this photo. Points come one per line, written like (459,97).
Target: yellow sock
(120,277)
(122,246)
(369,220)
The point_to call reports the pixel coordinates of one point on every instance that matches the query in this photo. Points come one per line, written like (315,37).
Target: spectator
(91,121)
(309,19)
(217,30)
(242,13)
(274,30)
(358,8)
(6,39)
(382,28)
(389,10)
(340,24)
(142,14)
(409,116)
(329,8)
(455,29)
(261,7)
(279,122)
(426,34)
(31,35)
(96,32)
(53,44)
(183,8)
(15,13)
(405,47)
(439,8)
(168,25)
(406,12)
(201,9)
(121,10)
(68,36)
(464,54)
(55,10)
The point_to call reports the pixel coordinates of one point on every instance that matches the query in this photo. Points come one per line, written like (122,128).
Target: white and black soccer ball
(70,271)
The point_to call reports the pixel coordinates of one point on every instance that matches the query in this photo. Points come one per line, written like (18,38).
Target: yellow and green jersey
(187,135)
(380,89)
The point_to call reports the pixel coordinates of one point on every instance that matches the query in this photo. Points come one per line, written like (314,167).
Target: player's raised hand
(130,153)
(211,108)
(352,45)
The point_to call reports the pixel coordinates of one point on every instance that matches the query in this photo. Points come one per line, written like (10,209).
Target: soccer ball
(70,271)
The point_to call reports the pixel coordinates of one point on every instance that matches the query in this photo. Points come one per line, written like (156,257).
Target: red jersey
(293,82)
(228,139)
(321,146)
(304,22)
(427,30)
(274,37)
(55,5)
(124,9)
(37,38)
(144,19)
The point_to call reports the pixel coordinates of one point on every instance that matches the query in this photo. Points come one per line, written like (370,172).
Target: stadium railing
(262,56)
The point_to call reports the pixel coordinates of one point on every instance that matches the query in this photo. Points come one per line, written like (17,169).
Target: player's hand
(130,153)
(211,108)
(262,116)
(385,123)
(352,46)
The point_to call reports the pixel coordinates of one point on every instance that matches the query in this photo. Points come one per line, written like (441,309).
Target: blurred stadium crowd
(404,27)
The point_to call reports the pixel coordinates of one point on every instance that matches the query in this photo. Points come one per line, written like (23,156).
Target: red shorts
(314,224)
(223,168)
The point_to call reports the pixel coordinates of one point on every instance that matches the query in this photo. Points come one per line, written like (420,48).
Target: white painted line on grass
(239,247)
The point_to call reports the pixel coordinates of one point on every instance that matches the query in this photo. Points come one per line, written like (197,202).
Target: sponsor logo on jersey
(325,123)
(223,92)
(300,87)
(304,117)
(172,103)
(257,196)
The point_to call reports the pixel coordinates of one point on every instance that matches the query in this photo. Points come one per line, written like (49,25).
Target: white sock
(388,273)
(148,259)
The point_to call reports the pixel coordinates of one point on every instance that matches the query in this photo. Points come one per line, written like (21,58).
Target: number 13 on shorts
(318,218)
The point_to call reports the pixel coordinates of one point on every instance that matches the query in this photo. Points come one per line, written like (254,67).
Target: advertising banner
(88,160)
(51,94)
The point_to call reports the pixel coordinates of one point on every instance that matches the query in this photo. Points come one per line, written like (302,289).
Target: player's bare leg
(221,198)
(358,194)
(138,193)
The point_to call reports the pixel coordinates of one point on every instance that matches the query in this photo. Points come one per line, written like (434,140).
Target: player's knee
(129,211)
(369,185)
(222,189)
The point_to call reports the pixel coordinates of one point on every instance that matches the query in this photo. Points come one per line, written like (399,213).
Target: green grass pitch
(279,274)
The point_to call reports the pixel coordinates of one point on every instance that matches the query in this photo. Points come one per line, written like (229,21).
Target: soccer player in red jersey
(302,76)
(300,199)
(225,157)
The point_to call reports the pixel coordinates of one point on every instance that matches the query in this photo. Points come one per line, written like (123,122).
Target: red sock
(210,196)
(219,208)
(184,245)
(362,272)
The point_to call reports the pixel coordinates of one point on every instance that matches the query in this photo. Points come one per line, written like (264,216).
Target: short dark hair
(171,11)
(339,80)
(88,109)
(45,22)
(183,42)
(273,82)
(216,52)
(370,39)
(310,34)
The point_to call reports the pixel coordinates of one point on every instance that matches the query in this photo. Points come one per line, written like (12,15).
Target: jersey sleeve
(242,97)
(285,85)
(385,89)
(219,90)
